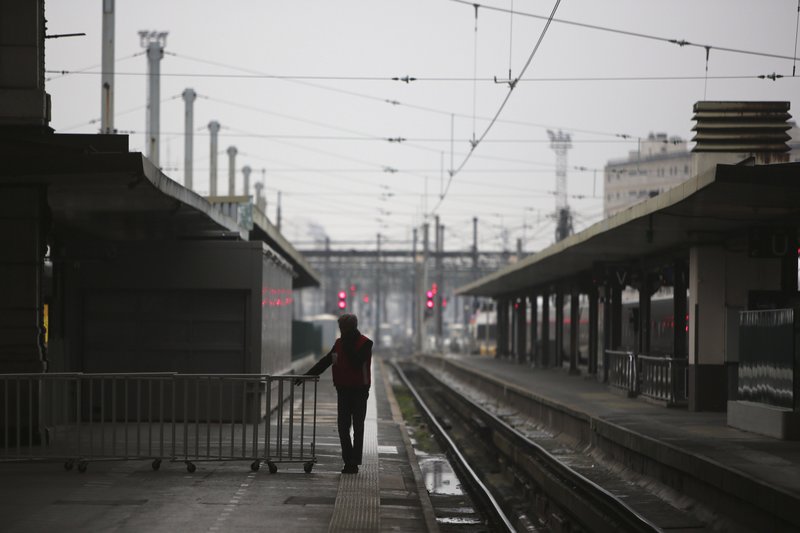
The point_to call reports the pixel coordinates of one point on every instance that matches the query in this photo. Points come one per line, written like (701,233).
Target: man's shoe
(350,469)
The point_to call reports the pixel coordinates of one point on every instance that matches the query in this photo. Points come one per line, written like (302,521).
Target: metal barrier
(78,418)
(663,378)
(622,371)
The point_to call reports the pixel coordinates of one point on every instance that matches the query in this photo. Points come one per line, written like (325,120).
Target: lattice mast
(561,143)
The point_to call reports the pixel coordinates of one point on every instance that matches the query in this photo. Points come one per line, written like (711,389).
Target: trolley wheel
(255,465)
(272,467)
(190,467)
(82,466)
(69,464)
(156,464)
(308,466)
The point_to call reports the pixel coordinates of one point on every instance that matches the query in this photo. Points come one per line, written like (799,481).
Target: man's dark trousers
(352,409)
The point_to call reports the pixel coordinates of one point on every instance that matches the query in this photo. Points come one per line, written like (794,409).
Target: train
(482,329)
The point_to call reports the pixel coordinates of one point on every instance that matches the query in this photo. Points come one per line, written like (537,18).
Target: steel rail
(483,492)
(587,489)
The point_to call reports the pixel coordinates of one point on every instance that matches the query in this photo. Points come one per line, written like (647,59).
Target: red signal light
(366,298)
(429,304)
(342,304)
(434,288)
(429,294)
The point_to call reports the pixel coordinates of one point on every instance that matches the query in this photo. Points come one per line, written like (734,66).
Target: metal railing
(622,371)
(663,378)
(78,418)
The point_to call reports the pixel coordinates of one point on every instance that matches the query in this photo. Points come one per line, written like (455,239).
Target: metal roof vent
(730,132)
(741,127)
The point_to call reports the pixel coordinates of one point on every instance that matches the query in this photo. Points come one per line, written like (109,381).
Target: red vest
(345,371)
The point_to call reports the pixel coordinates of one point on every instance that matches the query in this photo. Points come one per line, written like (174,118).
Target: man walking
(351,358)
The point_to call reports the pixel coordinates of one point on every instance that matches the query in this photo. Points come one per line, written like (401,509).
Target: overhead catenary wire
(511,86)
(454,79)
(427,109)
(796,27)
(89,68)
(674,41)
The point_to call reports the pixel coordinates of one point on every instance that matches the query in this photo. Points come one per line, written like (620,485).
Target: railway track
(518,484)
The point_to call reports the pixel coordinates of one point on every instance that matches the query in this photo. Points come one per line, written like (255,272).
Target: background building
(659,163)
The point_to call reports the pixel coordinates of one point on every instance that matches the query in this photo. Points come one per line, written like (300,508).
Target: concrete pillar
(707,380)
(574,326)
(616,316)
(607,327)
(502,327)
(546,359)
(521,330)
(593,328)
(534,352)
(679,347)
(24,105)
(559,355)
(23,226)
(645,290)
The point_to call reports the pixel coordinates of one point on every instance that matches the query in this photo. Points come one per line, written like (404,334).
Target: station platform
(692,452)
(388,494)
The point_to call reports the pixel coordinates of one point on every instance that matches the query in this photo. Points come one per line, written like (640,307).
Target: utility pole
(561,143)
(437,307)
(474,263)
(423,326)
(189,97)
(327,290)
(107,78)
(415,288)
(378,295)
(440,294)
(278,213)
(154,42)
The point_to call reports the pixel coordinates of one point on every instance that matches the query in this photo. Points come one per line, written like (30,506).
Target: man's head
(348,324)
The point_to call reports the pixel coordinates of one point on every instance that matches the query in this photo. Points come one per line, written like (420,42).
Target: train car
(482,333)
(482,330)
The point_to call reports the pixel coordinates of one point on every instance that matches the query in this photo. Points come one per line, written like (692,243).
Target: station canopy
(97,189)
(705,209)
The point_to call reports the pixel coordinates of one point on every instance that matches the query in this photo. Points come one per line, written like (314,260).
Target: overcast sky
(323,142)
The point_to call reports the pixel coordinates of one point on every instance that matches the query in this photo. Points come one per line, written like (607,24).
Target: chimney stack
(261,202)
(213,129)
(232,151)
(730,132)
(246,170)
(189,97)
(154,43)
(107,78)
